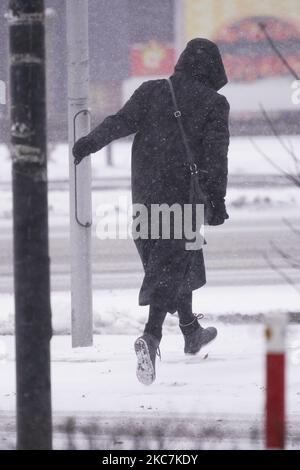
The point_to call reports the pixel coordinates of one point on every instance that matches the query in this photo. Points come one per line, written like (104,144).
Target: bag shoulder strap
(178,116)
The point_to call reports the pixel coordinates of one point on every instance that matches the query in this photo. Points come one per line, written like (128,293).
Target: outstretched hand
(218,219)
(81,149)
(219,213)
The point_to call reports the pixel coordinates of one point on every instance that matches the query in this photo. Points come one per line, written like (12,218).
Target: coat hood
(202,59)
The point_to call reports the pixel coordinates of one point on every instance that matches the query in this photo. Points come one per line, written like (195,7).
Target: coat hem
(170,308)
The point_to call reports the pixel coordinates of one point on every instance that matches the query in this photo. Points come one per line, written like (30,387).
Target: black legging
(157,316)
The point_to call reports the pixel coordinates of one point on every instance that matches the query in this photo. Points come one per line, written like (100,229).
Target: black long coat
(158,156)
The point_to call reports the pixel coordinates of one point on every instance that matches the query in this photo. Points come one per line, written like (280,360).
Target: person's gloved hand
(219,212)
(82,148)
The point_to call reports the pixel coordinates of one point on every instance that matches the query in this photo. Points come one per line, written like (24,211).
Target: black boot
(195,336)
(146,348)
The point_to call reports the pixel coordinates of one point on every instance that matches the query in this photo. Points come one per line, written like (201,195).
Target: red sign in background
(151,58)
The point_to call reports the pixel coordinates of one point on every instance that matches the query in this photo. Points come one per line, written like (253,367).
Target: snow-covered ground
(116,311)
(219,398)
(243,158)
(241,202)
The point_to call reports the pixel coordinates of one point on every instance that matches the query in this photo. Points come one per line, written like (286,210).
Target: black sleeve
(125,122)
(215,147)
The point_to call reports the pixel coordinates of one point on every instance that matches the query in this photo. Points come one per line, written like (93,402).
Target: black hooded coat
(158,155)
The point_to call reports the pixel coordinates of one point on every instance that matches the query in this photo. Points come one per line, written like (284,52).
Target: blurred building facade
(135,40)
(257,76)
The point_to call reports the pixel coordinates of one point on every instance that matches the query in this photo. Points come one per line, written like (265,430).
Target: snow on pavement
(116,311)
(228,384)
(243,158)
(242,202)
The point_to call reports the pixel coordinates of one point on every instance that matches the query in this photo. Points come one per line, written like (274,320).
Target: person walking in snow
(160,175)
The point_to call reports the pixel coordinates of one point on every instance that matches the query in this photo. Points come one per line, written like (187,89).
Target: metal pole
(179,27)
(30,218)
(275,333)
(80,177)
(109,159)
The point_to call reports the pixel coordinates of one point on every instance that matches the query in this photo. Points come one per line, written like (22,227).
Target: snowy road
(234,254)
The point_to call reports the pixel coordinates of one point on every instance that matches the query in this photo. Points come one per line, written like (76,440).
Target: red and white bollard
(275,332)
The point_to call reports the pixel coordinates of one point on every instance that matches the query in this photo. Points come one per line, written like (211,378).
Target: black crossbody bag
(196,194)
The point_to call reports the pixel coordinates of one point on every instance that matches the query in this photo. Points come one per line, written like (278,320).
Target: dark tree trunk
(30,213)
